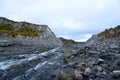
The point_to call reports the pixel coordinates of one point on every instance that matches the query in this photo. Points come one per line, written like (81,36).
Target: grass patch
(67,50)
(24,30)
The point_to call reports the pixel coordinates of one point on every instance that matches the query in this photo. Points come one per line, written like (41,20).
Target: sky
(71,19)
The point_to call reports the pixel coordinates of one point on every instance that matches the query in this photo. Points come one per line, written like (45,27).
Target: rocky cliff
(110,38)
(26,34)
(109,33)
(98,59)
(105,35)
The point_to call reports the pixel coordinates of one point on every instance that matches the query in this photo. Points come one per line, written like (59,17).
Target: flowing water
(41,66)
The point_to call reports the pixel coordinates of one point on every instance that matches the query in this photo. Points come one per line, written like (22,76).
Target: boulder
(116,74)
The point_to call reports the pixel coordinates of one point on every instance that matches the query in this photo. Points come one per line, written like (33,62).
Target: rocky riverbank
(42,56)
(73,62)
(94,60)
(93,63)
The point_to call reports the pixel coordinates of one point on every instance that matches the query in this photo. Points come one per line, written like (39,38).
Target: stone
(113,46)
(117,62)
(5,43)
(99,68)
(87,71)
(1,49)
(78,75)
(64,66)
(116,74)
(105,66)
(69,78)
(91,76)
(107,56)
(104,73)
(1,72)
(100,61)
(82,64)
(98,74)
(93,52)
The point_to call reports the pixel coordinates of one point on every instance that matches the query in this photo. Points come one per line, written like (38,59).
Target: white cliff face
(46,37)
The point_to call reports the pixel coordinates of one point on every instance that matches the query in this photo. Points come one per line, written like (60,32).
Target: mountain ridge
(26,34)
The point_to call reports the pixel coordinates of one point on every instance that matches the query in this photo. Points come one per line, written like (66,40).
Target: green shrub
(24,30)
(6,27)
(67,50)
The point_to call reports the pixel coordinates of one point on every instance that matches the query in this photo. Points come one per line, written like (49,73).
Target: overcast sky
(72,19)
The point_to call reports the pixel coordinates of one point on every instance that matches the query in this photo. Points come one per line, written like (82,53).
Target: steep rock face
(92,40)
(27,34)
(110,38)
(109,33)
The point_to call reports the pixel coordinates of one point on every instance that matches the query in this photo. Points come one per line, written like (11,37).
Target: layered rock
(26,34)
(109,33)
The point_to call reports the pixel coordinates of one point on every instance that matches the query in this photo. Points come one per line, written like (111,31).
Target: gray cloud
(76,19)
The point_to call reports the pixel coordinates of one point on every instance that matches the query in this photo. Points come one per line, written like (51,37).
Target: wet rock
(117,62)
(64,66)
(48,55)
(1,49)
(71,57)
(100,61)
(1,73)
(29,72)
(116,74)
(103,51)
(69,71)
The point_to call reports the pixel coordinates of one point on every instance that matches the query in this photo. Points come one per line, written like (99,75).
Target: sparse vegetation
(109,33)
(67,50)
(6,27)
(67,41)
(63,75)
(24,30)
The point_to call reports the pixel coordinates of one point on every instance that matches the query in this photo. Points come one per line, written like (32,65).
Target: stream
(40,66)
